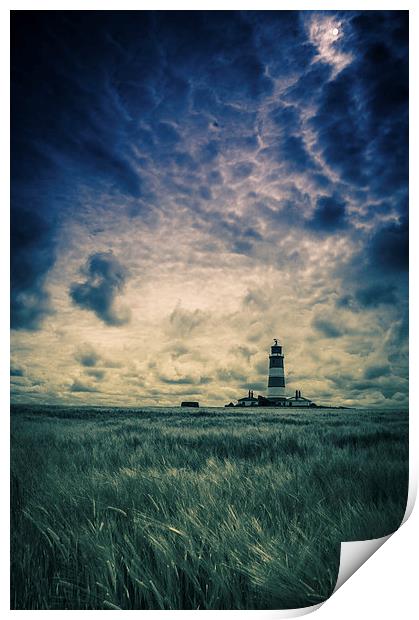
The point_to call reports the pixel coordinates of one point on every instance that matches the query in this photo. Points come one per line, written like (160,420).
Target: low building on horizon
(247,401)
(299,401)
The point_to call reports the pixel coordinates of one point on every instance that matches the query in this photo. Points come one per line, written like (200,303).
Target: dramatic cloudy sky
(187,186)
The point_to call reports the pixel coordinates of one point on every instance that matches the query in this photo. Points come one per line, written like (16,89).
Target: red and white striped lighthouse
(276,376)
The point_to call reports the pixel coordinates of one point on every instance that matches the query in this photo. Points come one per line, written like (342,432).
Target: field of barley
(196,509)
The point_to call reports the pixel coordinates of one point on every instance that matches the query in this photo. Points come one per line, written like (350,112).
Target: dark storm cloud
(64,132)
(16,372)
(287,117)
(209,152)
(361,122)
(290,153)
(166,133)
(64,102)
(118,88)
(32,256)
(260,386)
(243,76)
(79,386)
(185,380)
(293,152)
(96,373)
(220,46)
(382,266)
(105,280)
(388,248)
(121,86)
(215,177)
(329,215)
(309,86)
(235,232)
(242,170)
(374,372)
(340,126)
(177,380)
(112,166)
(88,356)
(101,94)
(328,327)
(376,277)
(384,79)
(205,192)
(382,382)
(278,37)
(376,294)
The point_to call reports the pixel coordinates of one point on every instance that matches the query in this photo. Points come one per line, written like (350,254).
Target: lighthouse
(276,376)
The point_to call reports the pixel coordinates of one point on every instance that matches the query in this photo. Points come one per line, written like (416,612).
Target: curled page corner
(411,497)
(287,613)
(354,554)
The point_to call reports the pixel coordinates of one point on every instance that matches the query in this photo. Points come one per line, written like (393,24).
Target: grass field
(196,509)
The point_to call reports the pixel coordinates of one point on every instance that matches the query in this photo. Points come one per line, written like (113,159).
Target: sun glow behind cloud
(326,33)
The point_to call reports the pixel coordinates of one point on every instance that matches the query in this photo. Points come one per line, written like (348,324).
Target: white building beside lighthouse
(276,375)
